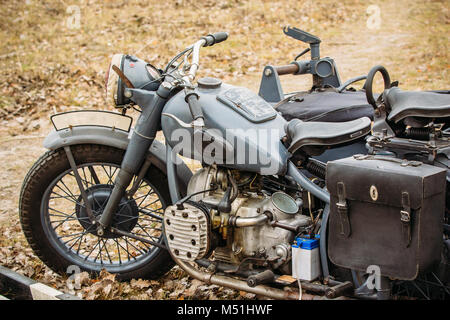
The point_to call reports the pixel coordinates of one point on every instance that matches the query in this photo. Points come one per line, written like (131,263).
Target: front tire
(54,221)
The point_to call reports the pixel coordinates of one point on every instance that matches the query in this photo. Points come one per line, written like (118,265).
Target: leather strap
(402,162)
(123,77)
(342,210)
(405,218)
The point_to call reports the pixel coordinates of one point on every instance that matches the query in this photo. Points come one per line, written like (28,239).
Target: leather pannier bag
(385,212)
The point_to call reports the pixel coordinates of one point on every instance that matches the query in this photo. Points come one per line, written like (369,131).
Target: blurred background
(54,54)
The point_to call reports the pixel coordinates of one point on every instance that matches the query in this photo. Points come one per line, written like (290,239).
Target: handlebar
(369,83)
(212,39)
(209,40)
(187,77)
(292,68)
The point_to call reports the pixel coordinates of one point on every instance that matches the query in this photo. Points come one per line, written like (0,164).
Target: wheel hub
(124,219)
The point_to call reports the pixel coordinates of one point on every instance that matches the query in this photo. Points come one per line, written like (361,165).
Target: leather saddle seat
(302,134)
(421,104)
(327,106)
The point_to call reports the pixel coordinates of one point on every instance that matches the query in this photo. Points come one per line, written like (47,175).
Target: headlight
(141,74)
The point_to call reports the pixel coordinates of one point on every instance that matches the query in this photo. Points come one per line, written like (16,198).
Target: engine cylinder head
(187,231)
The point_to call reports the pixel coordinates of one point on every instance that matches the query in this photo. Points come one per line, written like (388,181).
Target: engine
(233,219)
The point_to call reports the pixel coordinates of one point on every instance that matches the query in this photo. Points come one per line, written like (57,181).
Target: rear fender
(118,139)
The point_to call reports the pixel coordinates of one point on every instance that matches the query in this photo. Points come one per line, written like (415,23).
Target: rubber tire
(43,172)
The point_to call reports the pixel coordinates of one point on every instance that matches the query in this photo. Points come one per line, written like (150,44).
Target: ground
(54,55)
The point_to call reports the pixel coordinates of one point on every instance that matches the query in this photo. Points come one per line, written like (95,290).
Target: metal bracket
(270,87)
(194,124)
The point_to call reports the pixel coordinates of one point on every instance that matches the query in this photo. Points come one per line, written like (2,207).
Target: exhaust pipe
(247,221)
(242,285)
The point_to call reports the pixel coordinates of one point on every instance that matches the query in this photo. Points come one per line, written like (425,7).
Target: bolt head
(127,93)
(166,85)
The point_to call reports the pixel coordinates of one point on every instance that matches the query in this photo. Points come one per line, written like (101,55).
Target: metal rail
(18,287)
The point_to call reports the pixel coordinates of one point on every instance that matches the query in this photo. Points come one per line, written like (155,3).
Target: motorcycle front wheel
(58,229)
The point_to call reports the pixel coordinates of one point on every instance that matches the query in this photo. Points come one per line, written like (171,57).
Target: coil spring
(317,168)
(418,133)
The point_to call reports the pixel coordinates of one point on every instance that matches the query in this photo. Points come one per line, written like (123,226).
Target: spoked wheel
(55,220)
(425,287)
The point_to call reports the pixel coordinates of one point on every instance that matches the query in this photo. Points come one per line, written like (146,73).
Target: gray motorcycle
(259,214)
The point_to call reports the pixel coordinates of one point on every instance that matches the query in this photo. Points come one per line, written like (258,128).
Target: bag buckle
(405,216)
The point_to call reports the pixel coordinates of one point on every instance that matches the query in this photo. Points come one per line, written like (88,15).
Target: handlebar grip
(369,83)
(194,105)
(287,69)
(214,38)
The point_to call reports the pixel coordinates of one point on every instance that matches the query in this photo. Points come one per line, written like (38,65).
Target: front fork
(143,135)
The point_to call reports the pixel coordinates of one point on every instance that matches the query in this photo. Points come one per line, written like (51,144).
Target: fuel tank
(242,131)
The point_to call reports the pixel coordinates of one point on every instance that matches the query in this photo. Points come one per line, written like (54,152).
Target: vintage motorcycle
(262,213)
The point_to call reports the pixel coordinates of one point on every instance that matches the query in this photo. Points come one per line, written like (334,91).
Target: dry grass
(45,66)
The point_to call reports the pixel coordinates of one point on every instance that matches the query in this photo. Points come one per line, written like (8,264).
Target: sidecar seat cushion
(416,104)
(302,133)
(326,106)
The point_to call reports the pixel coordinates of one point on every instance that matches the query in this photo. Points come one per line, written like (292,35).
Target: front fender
(117,139)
